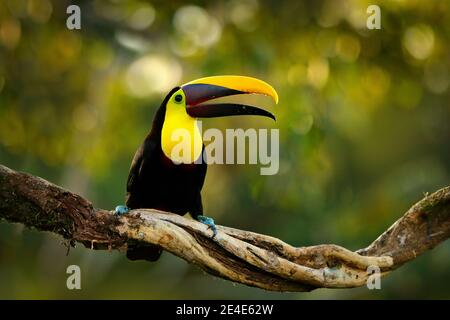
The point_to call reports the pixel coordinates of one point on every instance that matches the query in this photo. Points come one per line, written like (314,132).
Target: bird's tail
(139,251)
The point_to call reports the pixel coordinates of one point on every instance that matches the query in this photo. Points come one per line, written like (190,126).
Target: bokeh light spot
(348,47)
(317,72)
(196,23)
(10,32)
(419,41)
(244,14)
(133,41)
(142,18)
(39,10)
(152,74)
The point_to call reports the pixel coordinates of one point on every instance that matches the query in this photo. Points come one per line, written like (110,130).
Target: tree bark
(240,256)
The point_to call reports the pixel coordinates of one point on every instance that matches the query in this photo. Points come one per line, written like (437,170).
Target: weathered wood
(421,228)
(240,256)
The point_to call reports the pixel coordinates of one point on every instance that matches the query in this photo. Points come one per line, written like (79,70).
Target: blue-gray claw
(121,210)
(209,222)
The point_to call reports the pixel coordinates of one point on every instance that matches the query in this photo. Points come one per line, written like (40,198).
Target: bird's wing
(135,169)
(201,169)
(142,162)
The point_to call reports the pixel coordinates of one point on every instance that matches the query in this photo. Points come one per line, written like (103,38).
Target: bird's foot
(209,222)
(121,210)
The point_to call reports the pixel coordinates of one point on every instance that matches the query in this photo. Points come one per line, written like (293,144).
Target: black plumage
(155,182)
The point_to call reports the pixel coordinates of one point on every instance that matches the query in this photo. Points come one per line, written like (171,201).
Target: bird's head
(185,104)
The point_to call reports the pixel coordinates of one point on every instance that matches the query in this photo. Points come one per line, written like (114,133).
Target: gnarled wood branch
(240,256)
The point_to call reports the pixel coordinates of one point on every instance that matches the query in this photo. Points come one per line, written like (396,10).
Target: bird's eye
(178,98)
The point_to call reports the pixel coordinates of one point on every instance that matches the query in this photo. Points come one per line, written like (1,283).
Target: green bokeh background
(363,116)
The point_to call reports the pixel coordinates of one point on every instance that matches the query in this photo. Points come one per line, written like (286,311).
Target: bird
(162,179)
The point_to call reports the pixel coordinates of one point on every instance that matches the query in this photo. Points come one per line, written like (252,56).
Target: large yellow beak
(239,83)
(208,88)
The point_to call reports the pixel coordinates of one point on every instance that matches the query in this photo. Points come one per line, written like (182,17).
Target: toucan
(162,179)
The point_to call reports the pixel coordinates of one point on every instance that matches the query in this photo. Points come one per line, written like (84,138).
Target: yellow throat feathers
(181,140)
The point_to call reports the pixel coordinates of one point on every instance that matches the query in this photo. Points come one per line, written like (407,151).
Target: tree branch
(240,256)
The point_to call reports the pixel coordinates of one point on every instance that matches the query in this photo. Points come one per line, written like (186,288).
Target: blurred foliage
(363,117)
